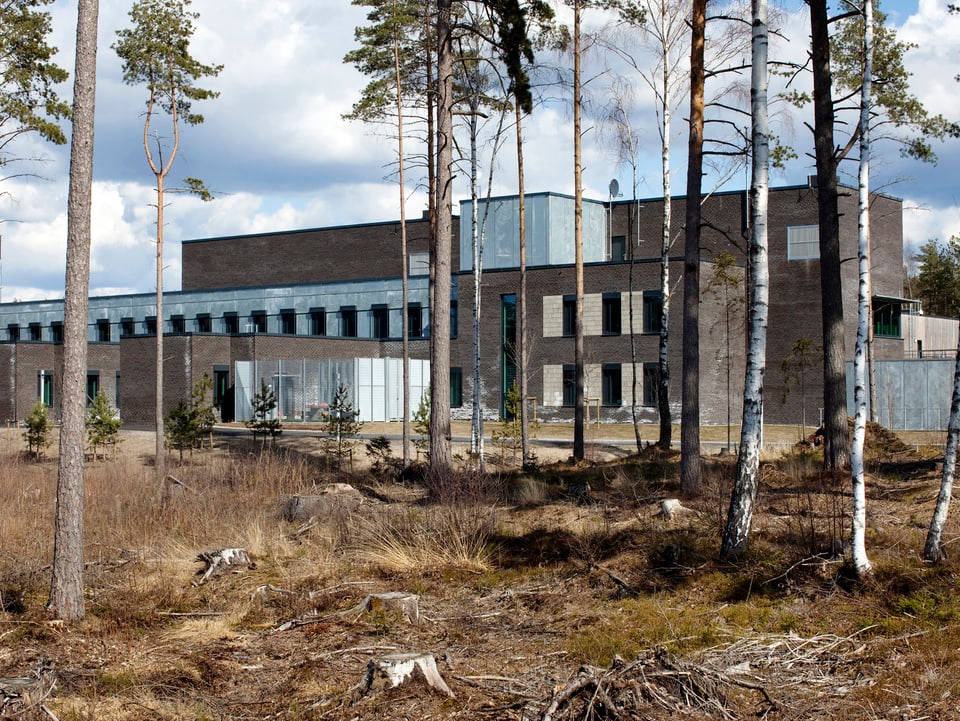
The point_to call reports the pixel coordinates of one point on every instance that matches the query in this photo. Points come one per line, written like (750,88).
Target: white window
(803,242)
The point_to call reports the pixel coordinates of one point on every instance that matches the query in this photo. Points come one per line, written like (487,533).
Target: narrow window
(611,380)
(569,315)
(414,320)
(456,387)
(348,321)
(103,330)
(618,248)
(259,320)
(380,322)
(231,323)
(45,387)
(93,385)
(318,321)
(652,311)
(651,383)
(288,321)
(35,330)
(127,327)
(150,325)
(13,332)
(611,314)
(56,332)
(117,390)
(569,385)
(203,323)
(454,318)
(178,324)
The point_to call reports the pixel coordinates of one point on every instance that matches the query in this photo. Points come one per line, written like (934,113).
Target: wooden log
(218,559)
(400,668)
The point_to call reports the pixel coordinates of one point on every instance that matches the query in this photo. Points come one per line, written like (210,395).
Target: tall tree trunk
(477,248)
(836,445)
(522,345)
(931,549)
(66,586)
(690,384)
(159,451)
(748,462)
(663,375)
(860,376)
(440,454)
(404,263)
(578,351)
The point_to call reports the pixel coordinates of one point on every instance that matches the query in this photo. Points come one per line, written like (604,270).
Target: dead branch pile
(821,665)
(654,680)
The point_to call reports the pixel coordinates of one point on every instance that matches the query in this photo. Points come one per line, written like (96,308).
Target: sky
(278,155)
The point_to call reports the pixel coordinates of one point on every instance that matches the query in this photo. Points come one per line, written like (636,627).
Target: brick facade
(268,270)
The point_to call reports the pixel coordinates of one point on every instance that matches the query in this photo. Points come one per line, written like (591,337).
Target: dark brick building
(308,309)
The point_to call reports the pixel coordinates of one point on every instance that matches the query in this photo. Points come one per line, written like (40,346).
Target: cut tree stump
(331,498)
(407,604)
(218,559)
(395,669)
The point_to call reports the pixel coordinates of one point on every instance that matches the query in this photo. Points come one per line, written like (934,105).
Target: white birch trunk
(858,545)
(663,392)
(476,435)
(931,551)
(748,464)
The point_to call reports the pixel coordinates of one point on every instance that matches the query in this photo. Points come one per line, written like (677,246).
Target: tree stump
(407,604)
(401,668)
(333,497)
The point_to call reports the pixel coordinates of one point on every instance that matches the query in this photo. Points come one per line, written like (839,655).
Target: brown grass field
(560,593)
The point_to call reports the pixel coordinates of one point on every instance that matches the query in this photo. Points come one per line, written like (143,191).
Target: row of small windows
(317,322)
(612,313)
(611,384)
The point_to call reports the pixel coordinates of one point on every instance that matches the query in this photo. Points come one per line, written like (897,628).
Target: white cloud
(279,155)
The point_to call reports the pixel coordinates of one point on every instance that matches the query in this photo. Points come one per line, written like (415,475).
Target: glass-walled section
(549,230)
(304,387)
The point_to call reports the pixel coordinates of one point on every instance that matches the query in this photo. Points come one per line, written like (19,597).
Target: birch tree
(861,563)
(932,551)
(66,585)
(663,24)
(156,52)
(748,461)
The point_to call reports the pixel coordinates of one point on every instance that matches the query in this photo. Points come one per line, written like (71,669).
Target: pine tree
(342,425)
(103,423)
(38,427)
(264,423)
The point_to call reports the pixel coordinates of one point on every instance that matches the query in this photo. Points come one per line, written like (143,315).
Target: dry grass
(522,579)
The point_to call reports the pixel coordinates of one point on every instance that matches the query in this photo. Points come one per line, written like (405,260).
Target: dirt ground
(586,605)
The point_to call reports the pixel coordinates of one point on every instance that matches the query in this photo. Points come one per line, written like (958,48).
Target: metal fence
(911,394)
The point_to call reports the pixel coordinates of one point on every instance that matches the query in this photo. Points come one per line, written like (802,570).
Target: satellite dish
(614,188)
